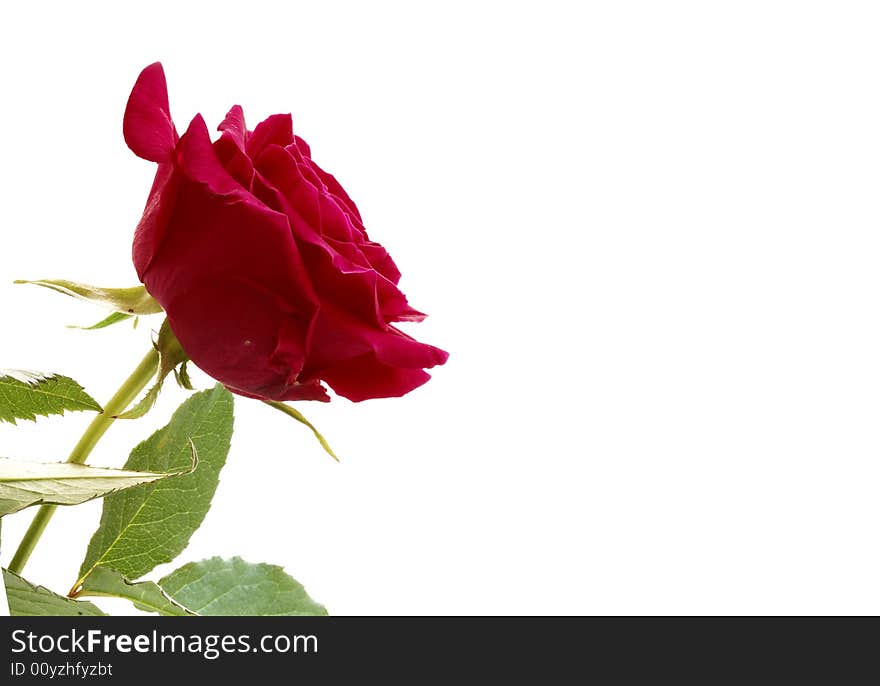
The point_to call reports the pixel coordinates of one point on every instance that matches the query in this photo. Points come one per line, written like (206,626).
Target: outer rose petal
(359,362)
(147,125)
(232,331)
(311,390)
(151,228)
(203,246)
(362,378)
(381,261)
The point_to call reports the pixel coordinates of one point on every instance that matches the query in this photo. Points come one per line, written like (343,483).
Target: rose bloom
(261,261)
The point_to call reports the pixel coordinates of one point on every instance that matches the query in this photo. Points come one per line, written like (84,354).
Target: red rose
(262,264)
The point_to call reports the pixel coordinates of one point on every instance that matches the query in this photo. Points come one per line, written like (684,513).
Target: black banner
(413,650)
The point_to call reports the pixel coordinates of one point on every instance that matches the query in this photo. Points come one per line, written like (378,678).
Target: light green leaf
(171,354)
(235,587)
(109,320)
(24,395)
(144,405)
(181,374)
(298,416)
(145,595)
(133,300)
(148,525)
(23,484)
(26,599)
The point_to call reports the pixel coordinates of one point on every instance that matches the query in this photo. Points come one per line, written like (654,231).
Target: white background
(646,232)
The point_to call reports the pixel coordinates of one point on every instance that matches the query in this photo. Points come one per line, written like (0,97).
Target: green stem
(127,392)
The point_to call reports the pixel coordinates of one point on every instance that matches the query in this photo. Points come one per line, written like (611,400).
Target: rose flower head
(262,263)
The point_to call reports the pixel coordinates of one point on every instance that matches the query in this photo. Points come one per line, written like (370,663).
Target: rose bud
(261,261)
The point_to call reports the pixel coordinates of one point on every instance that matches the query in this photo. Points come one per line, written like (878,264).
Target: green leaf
(144,405)
(182,376)
(26,599)
(23,484)
(145,595)
(148,525)
(109,320)
(298,416)
(171,354)
(133,300)
(24,395)
(235,587)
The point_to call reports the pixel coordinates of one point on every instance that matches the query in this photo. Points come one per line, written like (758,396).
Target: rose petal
(147,125)
(230,148)
(234,125)
(233,329)
(197,158)
(275,130)
(360,362)
(212,238)
(381,261)
(311,390)
(151,228)
(362,378)
(336,189)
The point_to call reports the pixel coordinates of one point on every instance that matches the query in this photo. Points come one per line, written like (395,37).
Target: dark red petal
(231,330)
(275,130)
(234,126)
(306,391)
(147,125)
(235,161)
(336,189)
(151,228)
(311,390)
(328,181)
(218,238)
(230,148)
(360,362)
(302,146)
(381,261)
(362,378)
(198,160)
